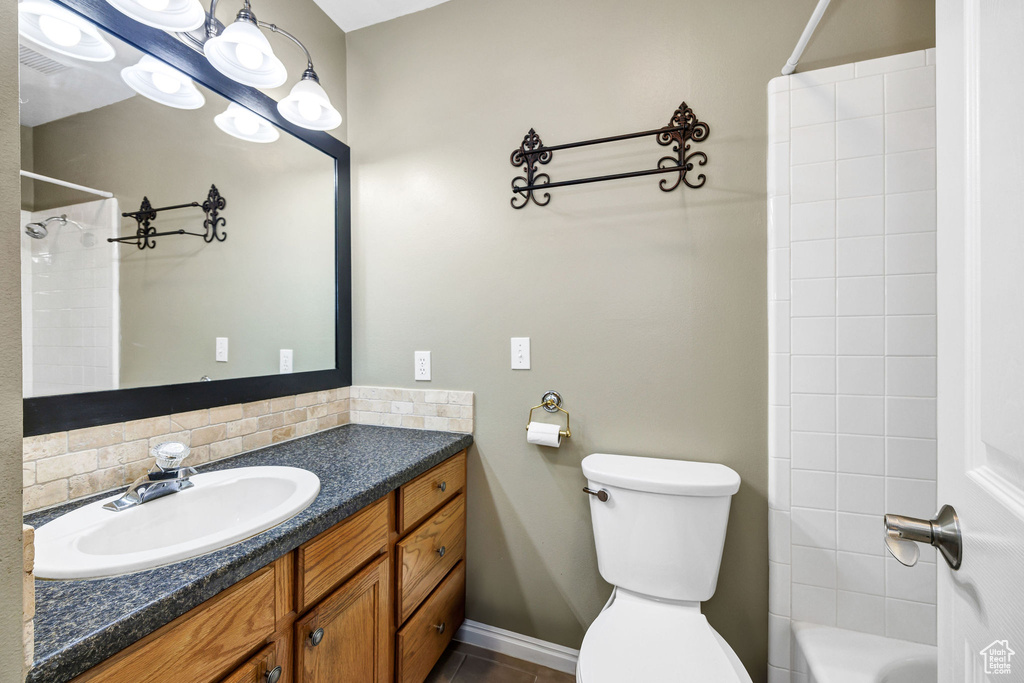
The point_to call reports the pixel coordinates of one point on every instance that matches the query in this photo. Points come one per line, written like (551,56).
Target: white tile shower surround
(851,282)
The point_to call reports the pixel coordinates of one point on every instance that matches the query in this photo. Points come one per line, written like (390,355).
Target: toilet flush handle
(602,495)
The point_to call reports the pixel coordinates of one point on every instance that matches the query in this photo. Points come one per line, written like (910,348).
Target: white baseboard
(519,646)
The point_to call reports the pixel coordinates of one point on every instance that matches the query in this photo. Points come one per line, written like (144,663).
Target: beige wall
(10,354)
(645,309)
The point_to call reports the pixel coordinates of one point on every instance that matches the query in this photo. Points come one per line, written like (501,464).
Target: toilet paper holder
(551,401)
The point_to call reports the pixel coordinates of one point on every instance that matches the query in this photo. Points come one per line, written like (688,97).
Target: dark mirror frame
(49,414)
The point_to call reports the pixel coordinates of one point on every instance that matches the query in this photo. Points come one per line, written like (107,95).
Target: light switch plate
(520,353)
(421,367)
(286,361)
(222,349)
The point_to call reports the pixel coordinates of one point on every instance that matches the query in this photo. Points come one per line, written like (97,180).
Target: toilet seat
(637,638)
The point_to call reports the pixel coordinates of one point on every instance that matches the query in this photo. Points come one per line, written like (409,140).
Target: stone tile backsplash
(68,465)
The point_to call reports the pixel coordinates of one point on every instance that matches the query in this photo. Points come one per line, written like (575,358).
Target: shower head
(39,229)
(36,231)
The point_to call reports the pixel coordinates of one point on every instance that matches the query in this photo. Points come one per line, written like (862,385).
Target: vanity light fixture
(308,106)
(167,15)
(242,53)
(238,121)
(62,31)
(163,83)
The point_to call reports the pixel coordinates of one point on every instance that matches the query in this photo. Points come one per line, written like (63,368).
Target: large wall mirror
(239,287)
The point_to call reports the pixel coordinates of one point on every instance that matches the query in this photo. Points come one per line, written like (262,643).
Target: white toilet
(659,527)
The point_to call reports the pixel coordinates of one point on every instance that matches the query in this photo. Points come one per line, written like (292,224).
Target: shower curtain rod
(805,37)
(64,183)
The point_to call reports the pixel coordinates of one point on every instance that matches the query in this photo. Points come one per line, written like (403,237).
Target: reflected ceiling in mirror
(101,315)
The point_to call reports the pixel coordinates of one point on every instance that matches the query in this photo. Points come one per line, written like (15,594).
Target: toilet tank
(662,529)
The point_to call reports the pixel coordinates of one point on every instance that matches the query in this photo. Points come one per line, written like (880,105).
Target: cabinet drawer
(430,490)
(428,553)
(257,669)
(422,640)
(206,643)
(332,557)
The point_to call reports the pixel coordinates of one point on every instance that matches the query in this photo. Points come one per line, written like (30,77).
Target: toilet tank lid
(660,475)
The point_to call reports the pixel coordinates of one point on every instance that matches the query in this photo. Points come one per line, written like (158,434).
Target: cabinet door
(347,637)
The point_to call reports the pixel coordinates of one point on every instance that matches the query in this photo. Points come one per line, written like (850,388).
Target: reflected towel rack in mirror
(146,231)
(682,129)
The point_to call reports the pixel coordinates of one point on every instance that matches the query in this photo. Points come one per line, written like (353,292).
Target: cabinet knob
(316,636)
(439,627)
(274,675)
(443,486)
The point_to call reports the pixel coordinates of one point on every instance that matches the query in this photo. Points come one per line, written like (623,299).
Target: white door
(980,109)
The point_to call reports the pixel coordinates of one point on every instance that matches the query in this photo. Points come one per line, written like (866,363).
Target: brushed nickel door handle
(903,534)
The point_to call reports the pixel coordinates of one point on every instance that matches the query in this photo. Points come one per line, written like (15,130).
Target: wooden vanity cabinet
(374,599)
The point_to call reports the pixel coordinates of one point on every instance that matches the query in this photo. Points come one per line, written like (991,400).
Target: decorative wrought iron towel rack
(146,231)
(682,129)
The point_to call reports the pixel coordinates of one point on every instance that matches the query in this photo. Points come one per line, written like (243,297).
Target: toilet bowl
(659,533)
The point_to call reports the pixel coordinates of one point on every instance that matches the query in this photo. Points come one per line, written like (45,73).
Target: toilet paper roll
(544,434)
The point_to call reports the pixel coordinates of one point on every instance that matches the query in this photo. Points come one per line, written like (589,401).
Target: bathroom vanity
(367,584)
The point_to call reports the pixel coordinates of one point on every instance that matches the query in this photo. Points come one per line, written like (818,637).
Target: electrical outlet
(421,368)
(286,361)
(222,349)
(520,353)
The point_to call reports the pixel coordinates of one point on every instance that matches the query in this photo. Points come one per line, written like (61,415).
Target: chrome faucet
(166,477)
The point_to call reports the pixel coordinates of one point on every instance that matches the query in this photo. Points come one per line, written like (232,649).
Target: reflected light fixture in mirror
(163,83)
(168,15)
(242,53)
(241,123)
(62,31)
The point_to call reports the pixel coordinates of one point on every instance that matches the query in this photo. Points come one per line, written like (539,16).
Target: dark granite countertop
(79,624)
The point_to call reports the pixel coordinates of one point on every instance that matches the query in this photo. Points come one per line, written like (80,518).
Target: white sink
(222,508)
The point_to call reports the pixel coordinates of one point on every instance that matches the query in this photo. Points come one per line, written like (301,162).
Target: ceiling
(354,14)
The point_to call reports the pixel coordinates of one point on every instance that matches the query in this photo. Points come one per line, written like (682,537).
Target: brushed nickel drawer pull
(441,551)
(443,486)
(440,628)
(316,637)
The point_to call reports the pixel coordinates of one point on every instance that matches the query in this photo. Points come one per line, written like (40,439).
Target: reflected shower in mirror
(105,128)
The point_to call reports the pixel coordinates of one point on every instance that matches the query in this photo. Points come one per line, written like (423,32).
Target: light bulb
(247,124)
(309,109)
(249,56)
(155,5)
(166,84)
(59,31)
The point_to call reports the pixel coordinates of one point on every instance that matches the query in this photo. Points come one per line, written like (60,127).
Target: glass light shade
(62,31)
(242,53)
(241,123)
(163,83)
(308,106)
(168,15)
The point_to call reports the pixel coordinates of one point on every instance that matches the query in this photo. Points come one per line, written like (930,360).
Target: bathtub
(833,655)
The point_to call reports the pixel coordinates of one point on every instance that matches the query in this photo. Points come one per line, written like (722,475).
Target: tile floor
(463,663)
